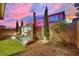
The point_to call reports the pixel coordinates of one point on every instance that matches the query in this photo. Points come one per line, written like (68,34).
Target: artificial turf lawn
(10,46)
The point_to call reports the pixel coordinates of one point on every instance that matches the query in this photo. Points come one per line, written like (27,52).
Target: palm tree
(76,14)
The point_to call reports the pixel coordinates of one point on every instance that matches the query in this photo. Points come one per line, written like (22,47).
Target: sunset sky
(19,11)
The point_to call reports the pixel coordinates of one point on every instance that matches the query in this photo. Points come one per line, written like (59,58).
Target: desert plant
(60,26)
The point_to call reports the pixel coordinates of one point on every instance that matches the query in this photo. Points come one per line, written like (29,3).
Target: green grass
(10,47)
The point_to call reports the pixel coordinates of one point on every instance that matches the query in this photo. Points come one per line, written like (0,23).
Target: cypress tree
(34,26)
(17,26)
(21,26)
(22,23)
(46,25)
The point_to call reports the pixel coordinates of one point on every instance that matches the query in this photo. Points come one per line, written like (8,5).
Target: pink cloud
(10,24)
(55,7)
(2,22)
(21,10)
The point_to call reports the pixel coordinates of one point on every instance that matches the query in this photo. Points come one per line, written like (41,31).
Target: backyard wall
(70,31)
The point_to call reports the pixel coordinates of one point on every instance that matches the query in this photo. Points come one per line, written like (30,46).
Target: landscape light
(13,37)
(25,33)
(29,28)
(22,29)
